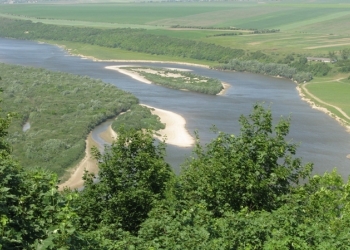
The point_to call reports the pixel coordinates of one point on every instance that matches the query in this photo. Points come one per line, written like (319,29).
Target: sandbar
(88,163)
(175,131)
(132,74)
(225,86)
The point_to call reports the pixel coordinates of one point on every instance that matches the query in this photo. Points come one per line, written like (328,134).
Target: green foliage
(61,109)
(253,170)
(30,204)
(132,176)
(272,69)
(236,193)
(137,118)
(181,80)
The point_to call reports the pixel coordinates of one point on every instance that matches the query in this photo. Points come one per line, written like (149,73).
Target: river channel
(322,140)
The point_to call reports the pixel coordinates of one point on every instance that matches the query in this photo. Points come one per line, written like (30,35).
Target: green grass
(305,28)
(334,91)
(111,13)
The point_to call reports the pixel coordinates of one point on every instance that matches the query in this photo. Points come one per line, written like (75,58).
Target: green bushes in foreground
(237,192)
(61,110)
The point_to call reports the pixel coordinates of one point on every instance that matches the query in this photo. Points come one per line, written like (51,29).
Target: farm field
(304,28)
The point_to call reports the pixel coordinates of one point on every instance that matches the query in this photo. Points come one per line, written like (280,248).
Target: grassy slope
(311,29)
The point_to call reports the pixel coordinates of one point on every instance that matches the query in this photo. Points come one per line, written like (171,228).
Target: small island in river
(176,79)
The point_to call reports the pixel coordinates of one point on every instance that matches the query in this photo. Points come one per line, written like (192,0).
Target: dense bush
(272,69)
(61,109)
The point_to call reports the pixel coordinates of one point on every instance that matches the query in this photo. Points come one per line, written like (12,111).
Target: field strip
(78,23)
(328,45)
(323,102)
(313,20)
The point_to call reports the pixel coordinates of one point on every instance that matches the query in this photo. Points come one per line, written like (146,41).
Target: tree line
(137,40)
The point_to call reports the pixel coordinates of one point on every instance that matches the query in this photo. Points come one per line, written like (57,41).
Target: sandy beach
(132,74)
(88,163)
(175,130)
(226,86)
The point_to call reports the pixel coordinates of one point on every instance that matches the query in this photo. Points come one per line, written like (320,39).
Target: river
(323,141)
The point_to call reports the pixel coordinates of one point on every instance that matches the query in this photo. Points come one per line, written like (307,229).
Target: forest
(245,191)
(61,109)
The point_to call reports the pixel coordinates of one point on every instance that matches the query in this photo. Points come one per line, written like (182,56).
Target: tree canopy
(237,192)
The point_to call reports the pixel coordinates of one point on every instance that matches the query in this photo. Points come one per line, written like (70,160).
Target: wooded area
(244,191)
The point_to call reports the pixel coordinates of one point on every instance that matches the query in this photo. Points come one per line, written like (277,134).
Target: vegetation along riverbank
(61,108)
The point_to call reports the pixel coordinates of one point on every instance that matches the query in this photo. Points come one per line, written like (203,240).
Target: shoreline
(225,86)
(127,61)
(75,179)
(313,105)
(175,132)
(132,74)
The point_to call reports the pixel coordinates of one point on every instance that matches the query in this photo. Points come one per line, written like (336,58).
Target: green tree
(132,175)
(253,170)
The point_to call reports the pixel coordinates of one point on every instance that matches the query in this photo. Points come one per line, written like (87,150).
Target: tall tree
(251,170)
(132,175)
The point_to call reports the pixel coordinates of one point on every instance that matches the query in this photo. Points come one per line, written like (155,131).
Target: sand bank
(226,86)
(132,74)
(175,130)
(88,163)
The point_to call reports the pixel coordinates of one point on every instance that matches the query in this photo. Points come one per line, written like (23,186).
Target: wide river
(322,140)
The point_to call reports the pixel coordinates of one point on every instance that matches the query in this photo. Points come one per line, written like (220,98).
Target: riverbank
(313,105)
(88,163)
(175,132)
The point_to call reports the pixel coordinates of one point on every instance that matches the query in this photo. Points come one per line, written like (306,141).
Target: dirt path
(323,102)
(303,90)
